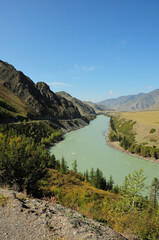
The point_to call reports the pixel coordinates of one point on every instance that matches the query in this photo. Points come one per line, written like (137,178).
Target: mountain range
(21,98)
(136,102)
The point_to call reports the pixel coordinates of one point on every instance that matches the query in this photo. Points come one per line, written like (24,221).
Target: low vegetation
(127,212)
(23,154)
(152,130)
(3,200)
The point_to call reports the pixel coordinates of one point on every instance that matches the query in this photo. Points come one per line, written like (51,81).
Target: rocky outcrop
(57,106)
(27,218)
(83,108)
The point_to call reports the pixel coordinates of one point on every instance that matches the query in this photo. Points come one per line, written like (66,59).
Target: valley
(53,147)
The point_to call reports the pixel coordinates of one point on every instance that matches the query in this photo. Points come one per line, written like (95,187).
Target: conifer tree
(91,176)
(134,185)
(63,166)
(154,193)
(86,175)
(74,165)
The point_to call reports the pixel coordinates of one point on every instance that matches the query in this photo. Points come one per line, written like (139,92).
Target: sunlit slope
(10,104)
(137,102)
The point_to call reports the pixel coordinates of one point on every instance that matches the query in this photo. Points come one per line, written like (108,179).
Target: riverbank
(116,146)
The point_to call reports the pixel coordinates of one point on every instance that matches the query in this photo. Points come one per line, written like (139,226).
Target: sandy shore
(116,145)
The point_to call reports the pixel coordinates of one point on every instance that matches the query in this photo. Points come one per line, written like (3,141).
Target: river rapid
(89,147)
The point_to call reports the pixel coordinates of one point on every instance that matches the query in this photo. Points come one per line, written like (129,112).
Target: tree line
(121,131)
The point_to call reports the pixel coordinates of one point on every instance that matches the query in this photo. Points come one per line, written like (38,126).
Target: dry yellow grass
(150,118)
(145,121)
(7,95)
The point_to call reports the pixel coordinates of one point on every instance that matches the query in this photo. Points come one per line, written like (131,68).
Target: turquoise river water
(89,147)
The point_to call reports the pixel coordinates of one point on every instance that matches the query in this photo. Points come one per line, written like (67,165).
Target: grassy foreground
(116,210)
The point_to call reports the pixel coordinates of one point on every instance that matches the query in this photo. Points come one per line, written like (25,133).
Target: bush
(22,163)
(152,130)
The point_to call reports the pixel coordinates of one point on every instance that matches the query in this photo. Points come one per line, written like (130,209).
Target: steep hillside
(35,101)
(11,107)
(83,108)
(137,102)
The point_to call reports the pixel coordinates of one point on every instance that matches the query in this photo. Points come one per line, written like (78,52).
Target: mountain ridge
(38,100)
(136,102)
(83,108)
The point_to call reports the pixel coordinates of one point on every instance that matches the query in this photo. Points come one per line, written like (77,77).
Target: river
(88,146)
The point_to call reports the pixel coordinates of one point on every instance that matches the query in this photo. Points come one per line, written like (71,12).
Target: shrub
(22,163)
(152,130)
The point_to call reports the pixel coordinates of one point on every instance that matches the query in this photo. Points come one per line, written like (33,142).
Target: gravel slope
(33,219)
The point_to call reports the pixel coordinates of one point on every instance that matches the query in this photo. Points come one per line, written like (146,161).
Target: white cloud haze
(59,84)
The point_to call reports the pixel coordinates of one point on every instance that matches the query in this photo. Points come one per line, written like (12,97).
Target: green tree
(133,186)
(98,178)
(86,175)
(22,163)
(74,165)
(110,183)
(91,175)
(154,193)
(52,162)
(63,166)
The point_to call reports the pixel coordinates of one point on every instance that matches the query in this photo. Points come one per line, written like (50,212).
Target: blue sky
(92,49)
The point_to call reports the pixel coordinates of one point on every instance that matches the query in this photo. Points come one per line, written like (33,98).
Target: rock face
(137,102)
(24,218)
(83,108)
(41,102)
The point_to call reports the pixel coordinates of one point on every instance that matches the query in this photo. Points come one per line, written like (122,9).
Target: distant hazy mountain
(98,108)
(83,108)
(137,102)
